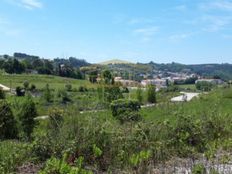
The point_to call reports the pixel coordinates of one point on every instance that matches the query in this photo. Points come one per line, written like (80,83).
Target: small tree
(33,87)
(55,119)
(8,128)
(64,96)
(26,116)
(126,110)
(26,85)
(151,94)
(139,95)
(47,95)
(2,94)
(112,92)
(19,91)
(68,87)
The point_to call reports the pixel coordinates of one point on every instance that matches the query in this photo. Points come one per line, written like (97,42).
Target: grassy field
(40,81)
(166,130)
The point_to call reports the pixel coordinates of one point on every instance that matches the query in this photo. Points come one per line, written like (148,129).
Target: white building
(213,81)
(156,82)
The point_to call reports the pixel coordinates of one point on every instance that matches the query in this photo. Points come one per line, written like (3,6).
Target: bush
(19,91)
(12,155)
(64,96)
(47,94)
(139,95)
(125,110)
(2,94)
(204,86)
(55,119)
(151,94)
(26,84)
(68,87)
(112,92)
(199,169)
(33,87)
(26,117)
(82,89)
(60,166)
(8,125)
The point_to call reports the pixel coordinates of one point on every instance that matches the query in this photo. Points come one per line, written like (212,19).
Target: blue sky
(185,31)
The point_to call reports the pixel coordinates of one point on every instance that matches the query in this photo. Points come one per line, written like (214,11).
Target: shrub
(2,94)
(55,119)
(64,96)
(12,155)
(8,126)
(33,87)
(26,84)
(151,94)
(68,87)
(204,86)
(112,92)
(82,89)
(19,91)
(139,95)
(199,169)
(60,166)
(26,117)
(126,110)
(47,94)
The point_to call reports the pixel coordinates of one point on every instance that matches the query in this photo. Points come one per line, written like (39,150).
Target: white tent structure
(184,97)
(4,88)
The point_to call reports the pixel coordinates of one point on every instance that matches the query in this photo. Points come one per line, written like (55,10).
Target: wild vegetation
(90,128)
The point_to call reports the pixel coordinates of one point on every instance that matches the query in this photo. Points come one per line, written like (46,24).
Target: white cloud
(181,8)
(217,5)
(146,33)
(28,4)
(31,4)
(149,31)
(179,37)
(215,23)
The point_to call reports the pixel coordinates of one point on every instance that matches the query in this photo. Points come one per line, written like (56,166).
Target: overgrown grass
(55,82)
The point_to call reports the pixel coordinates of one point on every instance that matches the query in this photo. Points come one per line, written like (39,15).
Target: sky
(162,31)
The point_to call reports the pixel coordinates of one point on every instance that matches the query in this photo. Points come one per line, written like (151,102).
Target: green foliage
(97,151)
(55,119)
(26,117)
(19,91)
(13,154)
(68,87)
(47,94)
(151,94)
(33,87)
(8,125)
(108,78)
(137,159)
(57,166)
(199,169)
(64,96)
(112,92)
(126,110)
(82,89)
(26,84)
(204,86)
(2,94)
(139,95)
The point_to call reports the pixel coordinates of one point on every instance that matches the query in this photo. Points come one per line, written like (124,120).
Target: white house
(213,81)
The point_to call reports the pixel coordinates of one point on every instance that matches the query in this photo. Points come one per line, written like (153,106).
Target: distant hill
(115,61)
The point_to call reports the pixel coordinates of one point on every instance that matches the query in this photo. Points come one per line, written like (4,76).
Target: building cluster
(162,80)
